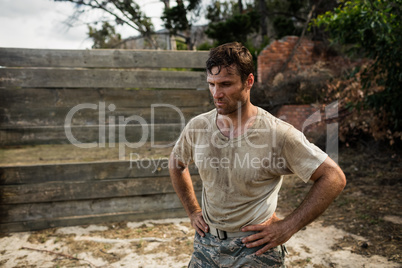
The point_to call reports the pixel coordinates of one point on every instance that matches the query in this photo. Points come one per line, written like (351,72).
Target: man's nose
(217,93)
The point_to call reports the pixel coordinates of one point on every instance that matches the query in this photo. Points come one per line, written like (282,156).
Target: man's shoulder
(202,120)
(272,122)
(209,114)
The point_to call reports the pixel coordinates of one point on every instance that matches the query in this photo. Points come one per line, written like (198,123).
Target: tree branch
(124,18)
(117,17)
(285,64)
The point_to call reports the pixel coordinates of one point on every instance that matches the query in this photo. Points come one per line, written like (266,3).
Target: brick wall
(272,58)
(306,118)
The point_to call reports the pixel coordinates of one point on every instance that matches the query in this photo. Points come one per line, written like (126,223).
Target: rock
(393,219)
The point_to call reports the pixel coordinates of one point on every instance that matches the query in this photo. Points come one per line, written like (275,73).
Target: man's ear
(250,81)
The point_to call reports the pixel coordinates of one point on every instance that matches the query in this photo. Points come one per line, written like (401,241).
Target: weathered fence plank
(16,57)
(86,172)
(30,117)
(133,134)
(82,208)
(34,98)
(44,215)
(107,96)
(21,226)
(100,78)
(67,191)
(58,116)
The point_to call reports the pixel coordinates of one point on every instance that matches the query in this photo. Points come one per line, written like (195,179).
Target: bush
(337,79)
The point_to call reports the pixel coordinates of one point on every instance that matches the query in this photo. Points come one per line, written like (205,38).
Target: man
(241,153)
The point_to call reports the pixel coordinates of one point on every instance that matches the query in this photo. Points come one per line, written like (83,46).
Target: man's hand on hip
(197,221)
(271,233)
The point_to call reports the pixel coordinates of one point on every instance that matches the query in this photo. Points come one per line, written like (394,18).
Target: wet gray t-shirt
(242,176)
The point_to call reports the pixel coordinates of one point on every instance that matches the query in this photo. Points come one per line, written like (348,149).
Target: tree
(373,29)
(232,20)
(263,18)
(288,17)
(106,37)
(178,19)
(125,12)
(228,24)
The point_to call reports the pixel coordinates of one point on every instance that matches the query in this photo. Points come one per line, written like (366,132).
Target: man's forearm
(325,189)
(183,186)
(329,181)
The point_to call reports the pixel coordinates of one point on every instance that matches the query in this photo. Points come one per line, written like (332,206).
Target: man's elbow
(343,180)
(336,175)
(334,181)
(340,179)
(330,176)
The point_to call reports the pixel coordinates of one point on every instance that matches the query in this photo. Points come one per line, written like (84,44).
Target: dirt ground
(369,207)
(362,228)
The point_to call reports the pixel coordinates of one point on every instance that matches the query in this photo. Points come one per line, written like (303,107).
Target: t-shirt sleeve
(182,150)
(302,157)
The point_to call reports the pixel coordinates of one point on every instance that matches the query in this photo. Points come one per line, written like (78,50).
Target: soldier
(242,153)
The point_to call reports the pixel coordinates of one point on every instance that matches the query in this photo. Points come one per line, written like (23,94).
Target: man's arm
(183,186)
(329,182)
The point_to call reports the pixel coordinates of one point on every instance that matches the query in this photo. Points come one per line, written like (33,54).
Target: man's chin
(222,111)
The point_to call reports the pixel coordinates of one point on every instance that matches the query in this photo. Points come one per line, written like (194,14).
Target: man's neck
(235,124)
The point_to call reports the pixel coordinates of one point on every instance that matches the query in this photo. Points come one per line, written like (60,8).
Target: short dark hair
(231,53)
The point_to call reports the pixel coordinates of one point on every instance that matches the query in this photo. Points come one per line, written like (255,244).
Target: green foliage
(131,10)
(255,50)
(236,28)
(123,12)
(180,45)
(205,46)
(285,26)
(373,28)
(175,18)
(106,37)
(126,12)
(271,19)
(219,11)
(285,16)
(179,19)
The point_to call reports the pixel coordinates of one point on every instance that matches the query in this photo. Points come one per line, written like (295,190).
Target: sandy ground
(362,228)
(162,243)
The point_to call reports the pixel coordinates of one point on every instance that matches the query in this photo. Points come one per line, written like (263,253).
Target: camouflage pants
(210,251)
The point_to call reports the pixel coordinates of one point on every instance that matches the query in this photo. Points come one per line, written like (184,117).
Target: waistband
(222,235)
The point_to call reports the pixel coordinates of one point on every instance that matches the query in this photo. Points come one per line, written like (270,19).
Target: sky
(44,24)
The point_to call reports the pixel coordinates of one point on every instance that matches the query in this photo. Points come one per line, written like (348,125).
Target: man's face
(227,89)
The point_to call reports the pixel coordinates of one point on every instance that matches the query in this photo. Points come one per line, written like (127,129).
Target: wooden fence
(93,98)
